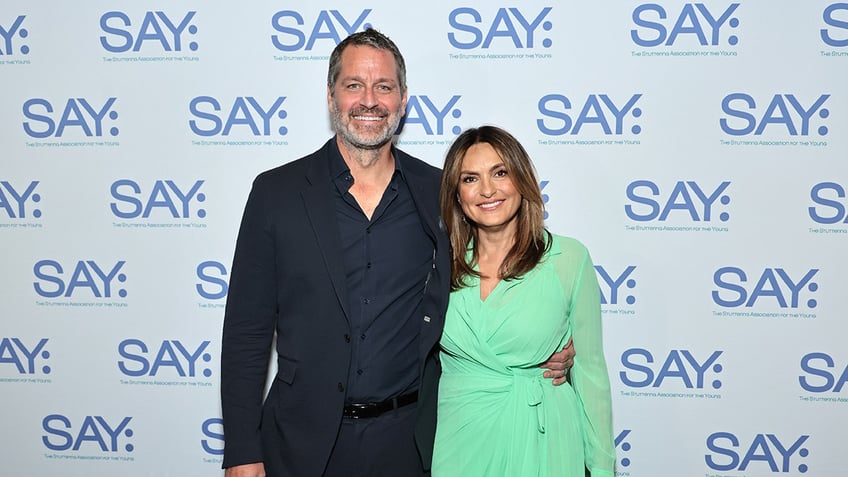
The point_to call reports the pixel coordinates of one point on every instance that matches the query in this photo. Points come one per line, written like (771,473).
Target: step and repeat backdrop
(700,150)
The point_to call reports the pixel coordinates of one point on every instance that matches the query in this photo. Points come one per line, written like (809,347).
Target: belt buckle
(356,411)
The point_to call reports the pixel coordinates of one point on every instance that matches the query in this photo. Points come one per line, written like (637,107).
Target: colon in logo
(156,31)
(172,356)
(784,113)
(11,34)
(247,114)
(642,370)
(647,202)
(727,452)
(623,447)
(545,197)
(431,114)
(613,285)
(598,113)
(25,357)
(772,285)
(512,27)
(92,433)
(132,201)
(17,200)
(695,21)
(87,277)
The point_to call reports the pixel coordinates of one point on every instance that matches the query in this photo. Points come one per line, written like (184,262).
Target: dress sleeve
(589,376)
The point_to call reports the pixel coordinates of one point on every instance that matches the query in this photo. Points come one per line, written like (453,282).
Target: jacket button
(341,387)
(347,338)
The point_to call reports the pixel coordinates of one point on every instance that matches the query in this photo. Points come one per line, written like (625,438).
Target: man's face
(367,104)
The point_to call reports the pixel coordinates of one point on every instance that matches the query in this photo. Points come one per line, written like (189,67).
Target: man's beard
(357,140)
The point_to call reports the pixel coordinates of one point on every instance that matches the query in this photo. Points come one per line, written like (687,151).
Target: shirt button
(359,372)
(362,336)
(347,338)
(366,301)
(368,265)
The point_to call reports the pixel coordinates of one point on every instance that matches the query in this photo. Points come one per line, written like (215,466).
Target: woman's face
(486,193)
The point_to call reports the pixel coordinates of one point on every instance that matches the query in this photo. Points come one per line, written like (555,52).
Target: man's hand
(247,470)
(558,364)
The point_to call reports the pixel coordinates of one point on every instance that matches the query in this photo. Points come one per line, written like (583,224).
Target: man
(340,253)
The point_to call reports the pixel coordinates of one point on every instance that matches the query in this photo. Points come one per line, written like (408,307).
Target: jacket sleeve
(248,332)
(589,375)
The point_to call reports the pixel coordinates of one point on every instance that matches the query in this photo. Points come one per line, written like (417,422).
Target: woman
(518,294)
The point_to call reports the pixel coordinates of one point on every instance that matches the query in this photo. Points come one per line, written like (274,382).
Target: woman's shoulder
(566,244)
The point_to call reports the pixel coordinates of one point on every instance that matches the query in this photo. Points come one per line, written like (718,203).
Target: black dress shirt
(387,260)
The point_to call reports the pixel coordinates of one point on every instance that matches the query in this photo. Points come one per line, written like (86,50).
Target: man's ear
(403,102)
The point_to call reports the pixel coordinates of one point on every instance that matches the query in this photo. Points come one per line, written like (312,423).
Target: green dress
(497,415)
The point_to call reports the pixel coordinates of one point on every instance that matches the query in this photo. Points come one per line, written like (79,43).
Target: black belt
(374,409)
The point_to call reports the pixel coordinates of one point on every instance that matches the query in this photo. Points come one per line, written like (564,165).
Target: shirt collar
(340,170)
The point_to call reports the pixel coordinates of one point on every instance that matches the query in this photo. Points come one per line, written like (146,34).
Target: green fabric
(497,415)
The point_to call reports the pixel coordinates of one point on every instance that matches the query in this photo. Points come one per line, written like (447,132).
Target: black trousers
(381,446)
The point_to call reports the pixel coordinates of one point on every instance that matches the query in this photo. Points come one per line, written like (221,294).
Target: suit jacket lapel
(420,196)
(431,326)
(322,216)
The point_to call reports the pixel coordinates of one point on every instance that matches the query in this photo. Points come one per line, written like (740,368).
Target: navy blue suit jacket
(288,276)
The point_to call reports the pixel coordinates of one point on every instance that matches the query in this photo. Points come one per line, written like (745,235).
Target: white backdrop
(698,149)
